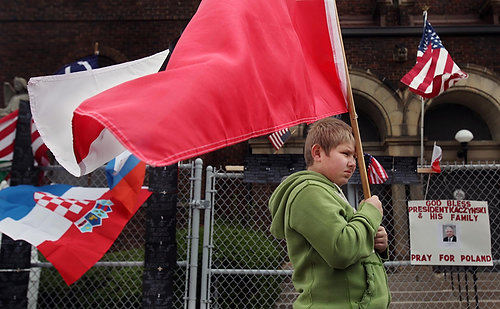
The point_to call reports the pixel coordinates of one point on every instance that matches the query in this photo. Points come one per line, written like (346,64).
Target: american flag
(8,126)
(279,138)
(84,64)
(376,173)
(435,71)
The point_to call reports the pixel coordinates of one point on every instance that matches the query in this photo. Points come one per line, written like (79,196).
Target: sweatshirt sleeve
(320,218)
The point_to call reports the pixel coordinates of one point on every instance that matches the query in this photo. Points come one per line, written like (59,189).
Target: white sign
(449,232)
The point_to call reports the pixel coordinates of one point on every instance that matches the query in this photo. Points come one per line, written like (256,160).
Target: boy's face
(338,165)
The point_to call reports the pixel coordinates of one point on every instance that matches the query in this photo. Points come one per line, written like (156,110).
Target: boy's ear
(316,152)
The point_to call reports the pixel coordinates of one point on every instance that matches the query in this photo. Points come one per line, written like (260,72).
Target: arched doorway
(442,121)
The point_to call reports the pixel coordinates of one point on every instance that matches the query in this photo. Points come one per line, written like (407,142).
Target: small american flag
(435,71)
(279,138)
(8,126)
(376,173)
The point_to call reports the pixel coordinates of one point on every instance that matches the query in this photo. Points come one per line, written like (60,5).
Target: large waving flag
(54,98)
(8,125)
(241,69)
(71,226)
(435,71)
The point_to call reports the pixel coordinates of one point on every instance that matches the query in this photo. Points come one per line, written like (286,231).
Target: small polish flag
(436,159)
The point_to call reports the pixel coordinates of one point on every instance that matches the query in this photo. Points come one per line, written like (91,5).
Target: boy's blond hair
(328,133)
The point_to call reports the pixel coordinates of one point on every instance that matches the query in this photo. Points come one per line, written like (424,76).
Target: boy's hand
(375,202)
(380,243)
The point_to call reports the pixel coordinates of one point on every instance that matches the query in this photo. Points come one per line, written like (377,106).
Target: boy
(333,248)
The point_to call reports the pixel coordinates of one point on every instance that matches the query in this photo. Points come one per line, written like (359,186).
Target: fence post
(195,234)
(400,213)
(15,255)
(161,247)
(207,224)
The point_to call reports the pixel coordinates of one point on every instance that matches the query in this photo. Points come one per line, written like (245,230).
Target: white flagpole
(422,132)
(428,179)
(422,113)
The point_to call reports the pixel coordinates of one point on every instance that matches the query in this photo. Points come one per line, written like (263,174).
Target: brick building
(380,38)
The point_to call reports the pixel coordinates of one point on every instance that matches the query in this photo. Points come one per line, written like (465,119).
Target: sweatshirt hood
(279,199)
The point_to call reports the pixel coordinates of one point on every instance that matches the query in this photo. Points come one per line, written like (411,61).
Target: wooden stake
(354,122)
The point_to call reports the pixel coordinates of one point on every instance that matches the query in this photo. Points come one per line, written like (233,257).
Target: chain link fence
(249,268)
(242,266)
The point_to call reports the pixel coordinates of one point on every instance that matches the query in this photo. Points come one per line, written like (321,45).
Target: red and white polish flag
(54,98)
(241,69)
(436,159)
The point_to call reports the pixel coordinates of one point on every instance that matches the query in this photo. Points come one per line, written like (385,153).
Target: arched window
(442,121)
(368,130)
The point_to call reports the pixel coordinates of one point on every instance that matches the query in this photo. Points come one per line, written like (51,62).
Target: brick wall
(38,37)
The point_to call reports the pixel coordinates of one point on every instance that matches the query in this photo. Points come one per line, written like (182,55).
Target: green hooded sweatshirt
(329,244)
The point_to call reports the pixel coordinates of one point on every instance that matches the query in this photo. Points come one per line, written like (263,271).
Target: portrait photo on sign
(449,233)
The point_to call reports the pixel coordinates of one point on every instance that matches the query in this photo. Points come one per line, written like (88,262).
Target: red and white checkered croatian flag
(376,173)
(279,138)
(8,126)
(435,71)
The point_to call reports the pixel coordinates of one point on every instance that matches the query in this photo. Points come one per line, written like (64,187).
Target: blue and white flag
(85,64)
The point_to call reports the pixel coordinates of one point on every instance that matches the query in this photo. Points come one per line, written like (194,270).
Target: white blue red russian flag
(119,167)
(72,227)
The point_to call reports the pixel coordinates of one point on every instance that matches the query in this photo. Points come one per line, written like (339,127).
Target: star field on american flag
(429,36)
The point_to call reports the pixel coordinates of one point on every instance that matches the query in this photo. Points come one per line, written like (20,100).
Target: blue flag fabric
(119,167)
(85,64)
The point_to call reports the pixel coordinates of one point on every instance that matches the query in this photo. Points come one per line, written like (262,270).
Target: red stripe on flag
(216,74)
(7,151)
(8,130)
(10,116)
(81,146)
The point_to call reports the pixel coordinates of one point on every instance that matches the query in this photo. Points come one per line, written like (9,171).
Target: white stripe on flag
(417,80)
(5,143)
(337,48)
(53,100)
